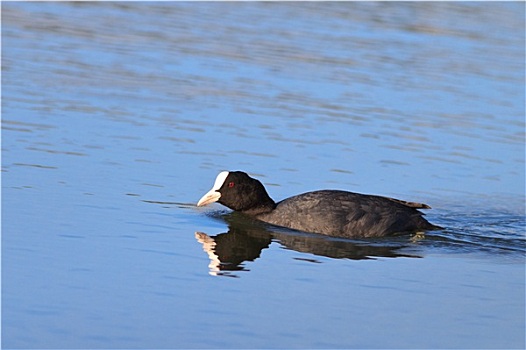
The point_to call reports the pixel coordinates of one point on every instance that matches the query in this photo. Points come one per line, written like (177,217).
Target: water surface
(116,118)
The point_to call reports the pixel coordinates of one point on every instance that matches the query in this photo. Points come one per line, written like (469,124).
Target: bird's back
(347,214)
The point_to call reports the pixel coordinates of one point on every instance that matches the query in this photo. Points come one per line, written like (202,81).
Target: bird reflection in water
(246,238)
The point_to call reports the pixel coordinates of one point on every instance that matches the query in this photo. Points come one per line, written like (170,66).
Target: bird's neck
(265,205)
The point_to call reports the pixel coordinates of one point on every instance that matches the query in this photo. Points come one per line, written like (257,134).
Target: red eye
(231,184)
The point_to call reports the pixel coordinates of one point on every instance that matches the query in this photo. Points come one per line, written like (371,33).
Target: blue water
(116,118)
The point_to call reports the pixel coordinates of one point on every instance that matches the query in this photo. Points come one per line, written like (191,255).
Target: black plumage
(329,212)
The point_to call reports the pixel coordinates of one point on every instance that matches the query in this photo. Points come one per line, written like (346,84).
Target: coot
(329,212)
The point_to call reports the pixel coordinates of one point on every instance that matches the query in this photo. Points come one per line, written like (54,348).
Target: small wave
(493,233)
